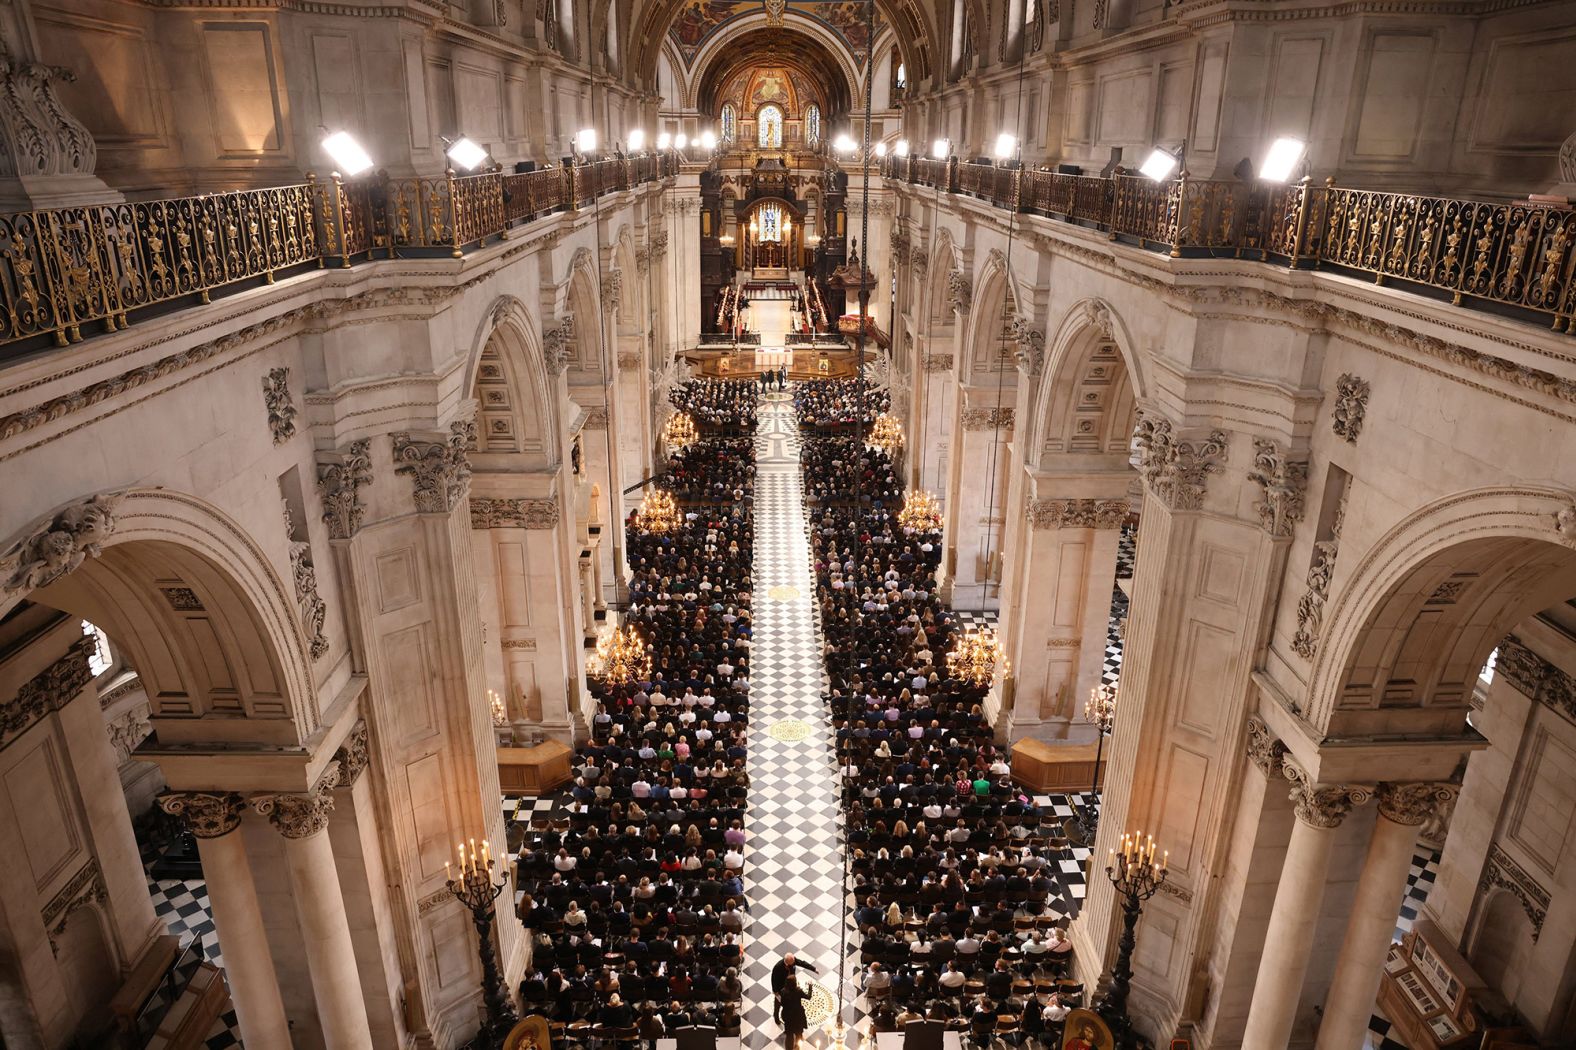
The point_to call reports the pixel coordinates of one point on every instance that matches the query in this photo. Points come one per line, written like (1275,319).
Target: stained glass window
(770,219)
(769,128)
(902,75)
(729,120)
(812,125)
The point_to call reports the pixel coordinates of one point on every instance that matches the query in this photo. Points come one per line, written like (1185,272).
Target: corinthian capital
(1414,803)
(1322,805)
(301,816)
(208,815)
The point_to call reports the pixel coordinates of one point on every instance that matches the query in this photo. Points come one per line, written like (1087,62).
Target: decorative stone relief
(208,815)
(960,291)
(1415,803)
(1565,524)
(1322,805)
(182,599)
(301,816)
(353,756)
(46,692)
(1031,346)
(523,644)
(659,243)
(281,409)
(596,419)
(1097,315)
(642,261)
(938,362)
(439,469)
(82,889)
(1175,471)
(59,544)
(38,135)
(558,345)
(1101,8)
(314,613)
(628,360)
(919,264)
(127,731)
(514,513)
(987,419)
(1536,677)
(1077,513)
(1282,487)
(340,476)
(1351,404)
(1265,748)
(612,289)
(433,900)
(1502,872)
(1310,607)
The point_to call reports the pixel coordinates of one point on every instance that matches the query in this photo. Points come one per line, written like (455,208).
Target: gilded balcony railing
(64,268)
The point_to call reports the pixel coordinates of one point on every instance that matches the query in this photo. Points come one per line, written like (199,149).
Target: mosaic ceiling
(699,20)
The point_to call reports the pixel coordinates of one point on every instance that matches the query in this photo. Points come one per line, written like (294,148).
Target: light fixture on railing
(680,140)
(585,140)
(664,140)
(637,140)
(679,431)
(658,511)
(844,143)
(1006,146)
(881,149)
(620,658)
(1281,161)
(1161,163)
(465,153)
(349,158)
(976,655)
(921,512)
(708,140)
(886,434)
(941,149)
(901,149)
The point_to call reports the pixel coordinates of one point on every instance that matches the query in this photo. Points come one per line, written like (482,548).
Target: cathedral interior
(1148,426)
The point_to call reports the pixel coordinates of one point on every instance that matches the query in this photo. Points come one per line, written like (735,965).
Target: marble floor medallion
(789,729)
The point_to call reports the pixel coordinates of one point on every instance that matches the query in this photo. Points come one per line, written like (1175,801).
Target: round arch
(749,40)
(516,406)
(944,258)
(1072,360)
(996,305)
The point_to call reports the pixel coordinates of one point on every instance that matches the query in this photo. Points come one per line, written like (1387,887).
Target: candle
(486,855)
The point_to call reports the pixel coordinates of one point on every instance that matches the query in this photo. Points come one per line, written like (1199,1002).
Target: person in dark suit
(780,975)
(791,1000)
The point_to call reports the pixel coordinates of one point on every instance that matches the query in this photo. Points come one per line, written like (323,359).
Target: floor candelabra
(474,887)
(1136,875)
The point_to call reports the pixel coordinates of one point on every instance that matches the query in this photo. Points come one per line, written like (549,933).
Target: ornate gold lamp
(473,886)
(679,431)
(1136,875)
(500,711)
(886,434)
(620,658)
(976,655)
(658,511)
(921,512)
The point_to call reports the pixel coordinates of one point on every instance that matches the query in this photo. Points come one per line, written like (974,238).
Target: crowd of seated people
(635,899)
(831,475)
(834,402)
(714,470)
(954,872)
(724,403)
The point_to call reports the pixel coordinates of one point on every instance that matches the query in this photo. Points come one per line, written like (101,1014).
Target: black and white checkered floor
(182,905)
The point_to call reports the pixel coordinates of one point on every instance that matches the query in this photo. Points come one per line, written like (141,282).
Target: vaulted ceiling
(812,69)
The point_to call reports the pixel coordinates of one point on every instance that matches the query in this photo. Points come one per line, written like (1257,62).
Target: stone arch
(996,305)
(516,412)
(720,43)
(583,299)
(191,598)
(1502,943)
(1090,385)
(1408,632)
(944,258)
(84,951)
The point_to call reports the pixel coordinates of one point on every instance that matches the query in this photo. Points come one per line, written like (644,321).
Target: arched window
(100,659)
(902,76)
(730,120)
(769,128)
(812,125)
(770,220)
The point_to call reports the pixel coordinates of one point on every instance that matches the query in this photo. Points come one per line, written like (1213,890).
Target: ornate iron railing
(66,268)
(1519,256)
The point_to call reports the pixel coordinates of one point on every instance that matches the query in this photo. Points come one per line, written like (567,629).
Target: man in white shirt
(952,980)
(733,860)
(640,788)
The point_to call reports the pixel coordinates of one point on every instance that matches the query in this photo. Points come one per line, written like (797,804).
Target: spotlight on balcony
(941,149)
(844,143)
(1281,161)
(465,154)
(901,149)
(664,140)
(637,141)
(708,140)
(881,149)
(349,158)
(1160,164)
(1006,146)
(585,140)
(680,141)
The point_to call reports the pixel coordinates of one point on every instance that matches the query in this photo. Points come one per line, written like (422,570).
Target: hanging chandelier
(886,434)
(679,431)
(620,658)
(921,512)
(658,511)
(975,656)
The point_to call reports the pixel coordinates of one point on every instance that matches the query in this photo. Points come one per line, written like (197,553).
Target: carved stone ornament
(1322,805)
(208,815)
(281,409)
(1565,523)
(1310,607)
(82,889)
(353,756)
(628,360)
(38,135)
(440,470)
(1265,748)
(612,289)
(659,243)
(340,476)
(596,419)
(642,261)
(1351,404)
(1077,513)
(314,613)
(960,291)
(987,419)
(1501,872)
(1568,161)
(1174,470)
(938,362)
(514,513)
(1413,804)
(1535,677)
(1031,347)
(301,816)
(558,344)
(919,264)
(59,544)
(46,692)
(1282,486)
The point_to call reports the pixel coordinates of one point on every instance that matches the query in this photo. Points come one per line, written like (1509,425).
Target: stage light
(585,140)
(1006,146)
(1282,159)
(901,149)
(664,140)
(941,149)
(637,141)
(466,154)
(680,141)
(881,149)
(1159,165)
(844,144)
(349,158)
(708,140)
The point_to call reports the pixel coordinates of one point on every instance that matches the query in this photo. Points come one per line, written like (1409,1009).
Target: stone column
(320,904)
(249,967)
(1402,810)
(1276,991)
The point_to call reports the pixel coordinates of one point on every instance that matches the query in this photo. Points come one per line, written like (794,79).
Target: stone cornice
(46,692)
(1535,677)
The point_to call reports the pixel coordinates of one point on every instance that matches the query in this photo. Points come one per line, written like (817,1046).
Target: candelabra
(975,656)
(500,711)
(658,511)
(1100,712)
(921,512)
(620,658)
(679,431)
(474,887)
(886,434)
(1136,875)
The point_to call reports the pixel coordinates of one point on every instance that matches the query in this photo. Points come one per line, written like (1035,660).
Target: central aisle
(796,858)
